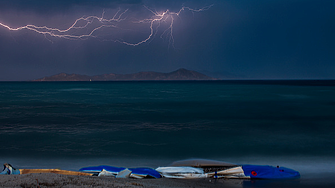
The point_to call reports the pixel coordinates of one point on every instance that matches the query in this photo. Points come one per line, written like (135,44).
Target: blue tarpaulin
(269,172)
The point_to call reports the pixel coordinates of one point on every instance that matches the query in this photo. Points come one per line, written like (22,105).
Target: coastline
(41,180)
(58,180)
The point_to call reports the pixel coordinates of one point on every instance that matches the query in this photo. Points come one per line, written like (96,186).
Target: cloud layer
(246,39)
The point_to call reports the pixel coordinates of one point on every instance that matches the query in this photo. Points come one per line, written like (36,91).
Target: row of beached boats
(197,168)
(185,169)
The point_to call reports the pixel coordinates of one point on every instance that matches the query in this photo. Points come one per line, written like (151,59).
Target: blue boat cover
(269,172)
(100,168)
(146,171)
(139,171)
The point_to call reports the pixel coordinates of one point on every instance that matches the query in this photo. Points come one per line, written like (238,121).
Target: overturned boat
(202,168)
(181,172)
(121,172)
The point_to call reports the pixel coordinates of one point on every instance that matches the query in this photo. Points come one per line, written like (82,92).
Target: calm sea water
(76,124)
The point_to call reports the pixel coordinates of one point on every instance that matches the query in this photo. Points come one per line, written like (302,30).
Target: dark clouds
(253,39)
(291,37)
(60,5)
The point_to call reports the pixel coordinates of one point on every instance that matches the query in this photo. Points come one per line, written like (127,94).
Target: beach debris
(38,184)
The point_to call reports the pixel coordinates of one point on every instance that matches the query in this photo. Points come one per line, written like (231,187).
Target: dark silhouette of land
(180,74)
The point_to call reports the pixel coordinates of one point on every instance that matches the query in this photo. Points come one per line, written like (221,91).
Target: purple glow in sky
(259,39)
(97,26)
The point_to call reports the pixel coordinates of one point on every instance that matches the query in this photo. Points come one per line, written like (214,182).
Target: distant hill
(180,74)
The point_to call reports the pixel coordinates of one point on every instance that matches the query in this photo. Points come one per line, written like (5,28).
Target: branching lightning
(158,18)
(86,27)
(80,23)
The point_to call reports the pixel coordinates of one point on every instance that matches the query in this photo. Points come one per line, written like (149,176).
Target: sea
(69,125)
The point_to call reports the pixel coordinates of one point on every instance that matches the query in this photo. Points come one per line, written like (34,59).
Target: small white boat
(181,172)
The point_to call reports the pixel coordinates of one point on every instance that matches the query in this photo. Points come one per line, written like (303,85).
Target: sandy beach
(40,180)
(57,180)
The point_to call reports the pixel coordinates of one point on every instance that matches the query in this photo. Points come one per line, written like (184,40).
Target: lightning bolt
(66,33)
(87,27)
(158,18)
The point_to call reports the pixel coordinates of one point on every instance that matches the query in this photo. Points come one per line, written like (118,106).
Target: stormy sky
(259,39)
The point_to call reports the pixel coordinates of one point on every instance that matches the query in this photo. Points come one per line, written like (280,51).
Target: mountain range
(180,74)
